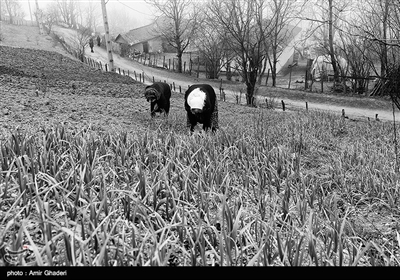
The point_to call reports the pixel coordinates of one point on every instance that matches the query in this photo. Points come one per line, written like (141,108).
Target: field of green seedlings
(88,179)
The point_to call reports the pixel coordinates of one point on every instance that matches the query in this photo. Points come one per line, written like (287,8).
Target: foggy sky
(137,12)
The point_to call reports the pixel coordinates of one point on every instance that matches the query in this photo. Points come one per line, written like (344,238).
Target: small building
(145,39)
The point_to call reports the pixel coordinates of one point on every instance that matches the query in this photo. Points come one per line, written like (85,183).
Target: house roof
(139,35)
(291,32)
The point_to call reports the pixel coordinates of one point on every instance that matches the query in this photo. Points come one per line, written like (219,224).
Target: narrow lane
(184,81)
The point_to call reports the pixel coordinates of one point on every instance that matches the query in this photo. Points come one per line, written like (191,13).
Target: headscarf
(150,93)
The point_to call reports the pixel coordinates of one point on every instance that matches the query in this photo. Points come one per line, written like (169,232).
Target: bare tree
(50,16)
(379,23)
(328,19)
(283,13)
(119,20)
(67,10)
(93,13)
(213,47)
(177,23)
(79,14)
(2,10)
(14,9)
(357,52)
(87,13)
(80,41)
(244,23)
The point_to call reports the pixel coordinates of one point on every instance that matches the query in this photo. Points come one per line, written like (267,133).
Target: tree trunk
(249,94)
(179,55)
(273,73)
(384,58)
(264,66)
(331,49)
(251,80)
(272,65)
(9,12)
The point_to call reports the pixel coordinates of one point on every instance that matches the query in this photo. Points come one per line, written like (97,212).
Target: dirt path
(368,109)
(160,75)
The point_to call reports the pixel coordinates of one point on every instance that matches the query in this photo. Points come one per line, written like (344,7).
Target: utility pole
(39,15)
(107,35)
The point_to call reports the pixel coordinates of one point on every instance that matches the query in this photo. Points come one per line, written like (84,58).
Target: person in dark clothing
(201,107)
(91,44)
(98,40)
(158,94)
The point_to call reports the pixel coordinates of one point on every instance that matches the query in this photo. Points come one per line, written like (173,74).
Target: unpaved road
(382,108)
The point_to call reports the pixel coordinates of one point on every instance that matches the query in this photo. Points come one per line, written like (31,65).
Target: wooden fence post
(220,90)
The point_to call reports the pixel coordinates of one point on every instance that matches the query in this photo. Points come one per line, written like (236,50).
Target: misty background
(123,15)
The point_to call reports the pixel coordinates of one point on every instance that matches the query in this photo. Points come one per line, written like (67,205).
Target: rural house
(145,39)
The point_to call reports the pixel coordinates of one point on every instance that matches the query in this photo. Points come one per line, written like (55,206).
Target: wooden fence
(143,77)
(18,21)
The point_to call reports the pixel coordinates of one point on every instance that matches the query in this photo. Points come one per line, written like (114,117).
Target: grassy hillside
(87,178)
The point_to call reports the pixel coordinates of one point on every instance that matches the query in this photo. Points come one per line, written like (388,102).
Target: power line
(133,9)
